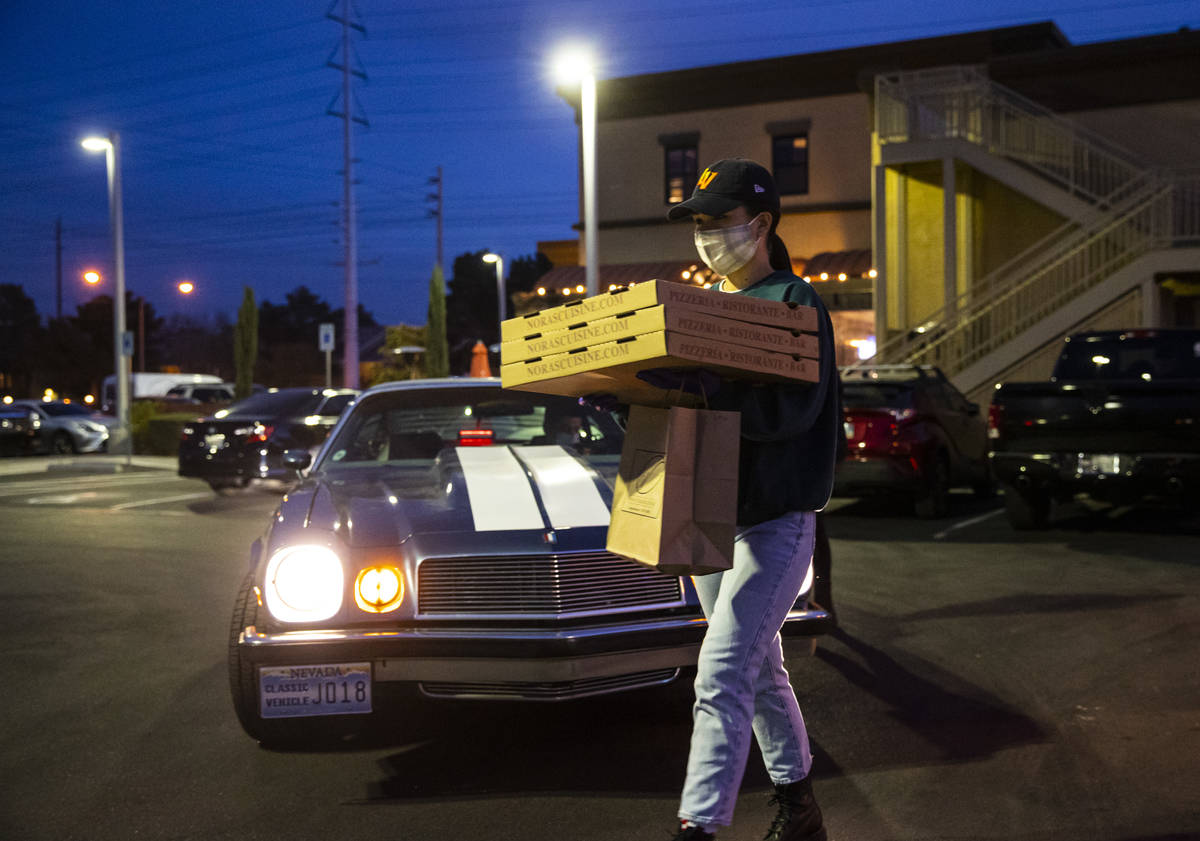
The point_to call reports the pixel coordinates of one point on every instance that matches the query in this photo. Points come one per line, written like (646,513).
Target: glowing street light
(499,261)
(574,65)
(91,277)
(122,344)
(186,287)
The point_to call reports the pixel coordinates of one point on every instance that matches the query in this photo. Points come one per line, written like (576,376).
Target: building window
(789,162)
(679,164)
(681,172)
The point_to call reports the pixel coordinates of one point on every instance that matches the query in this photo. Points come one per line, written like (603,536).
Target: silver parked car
(449,541)
(69,427)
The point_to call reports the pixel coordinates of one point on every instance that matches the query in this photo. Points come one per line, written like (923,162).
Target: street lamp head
(96,144)
(91,277)
(186,287)
(573,64)
(491,258)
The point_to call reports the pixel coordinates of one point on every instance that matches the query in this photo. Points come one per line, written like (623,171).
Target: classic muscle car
(448,541)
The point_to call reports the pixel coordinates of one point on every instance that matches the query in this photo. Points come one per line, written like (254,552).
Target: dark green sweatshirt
(789,432)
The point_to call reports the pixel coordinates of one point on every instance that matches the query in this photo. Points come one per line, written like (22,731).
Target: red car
(910,431)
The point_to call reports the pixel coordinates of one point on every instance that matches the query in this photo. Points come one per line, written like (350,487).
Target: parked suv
(910,431)
(201,393)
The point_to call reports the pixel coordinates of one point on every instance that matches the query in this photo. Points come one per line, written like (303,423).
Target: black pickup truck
(1119,420)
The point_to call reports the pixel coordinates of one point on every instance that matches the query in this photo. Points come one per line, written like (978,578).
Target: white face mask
(725,250)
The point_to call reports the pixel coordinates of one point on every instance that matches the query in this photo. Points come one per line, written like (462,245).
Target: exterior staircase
(1124,220)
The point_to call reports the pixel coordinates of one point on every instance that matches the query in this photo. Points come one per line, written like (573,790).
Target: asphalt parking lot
(983,684)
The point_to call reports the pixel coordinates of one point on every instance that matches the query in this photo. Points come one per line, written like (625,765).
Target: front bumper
(506,655)
(90,441)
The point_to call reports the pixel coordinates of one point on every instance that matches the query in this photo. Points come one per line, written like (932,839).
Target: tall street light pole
(499,261)
(111,146)
(575,65)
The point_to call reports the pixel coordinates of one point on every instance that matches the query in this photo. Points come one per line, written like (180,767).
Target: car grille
(542,586)
(559,691)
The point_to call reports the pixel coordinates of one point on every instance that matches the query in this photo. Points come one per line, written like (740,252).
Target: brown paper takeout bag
(675,501)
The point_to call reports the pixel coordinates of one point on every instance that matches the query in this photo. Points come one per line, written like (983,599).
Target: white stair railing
(981,330)
(1135,209)
(1040,257)
(962,103)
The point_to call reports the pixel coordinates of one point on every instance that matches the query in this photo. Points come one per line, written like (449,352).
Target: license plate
(214,442)
(329,689)
(1099,464)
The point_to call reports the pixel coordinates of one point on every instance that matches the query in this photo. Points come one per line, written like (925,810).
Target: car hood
(476,491)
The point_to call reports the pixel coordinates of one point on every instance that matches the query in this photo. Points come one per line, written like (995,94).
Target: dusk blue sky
(231,166)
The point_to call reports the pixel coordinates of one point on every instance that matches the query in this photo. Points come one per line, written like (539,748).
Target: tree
(287,334)
(437,354)
(245,344)
(526,272)
(402,363)
(471,313)
(199,345)
(20,329)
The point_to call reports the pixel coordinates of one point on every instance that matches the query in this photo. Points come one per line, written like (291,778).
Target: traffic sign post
(325,339)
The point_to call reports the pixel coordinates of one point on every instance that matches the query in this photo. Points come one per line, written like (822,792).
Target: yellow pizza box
(652,293)
(612,367)
(652,319)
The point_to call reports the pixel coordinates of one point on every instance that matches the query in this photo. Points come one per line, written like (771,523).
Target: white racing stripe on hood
(499,491)
(568,489)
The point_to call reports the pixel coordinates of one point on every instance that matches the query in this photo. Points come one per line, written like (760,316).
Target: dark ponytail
(778,253)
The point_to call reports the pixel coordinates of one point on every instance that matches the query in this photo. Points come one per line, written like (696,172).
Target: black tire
(934,502)
(284,734)
(1027,509)
(241,674)
(227,487)
(62,444)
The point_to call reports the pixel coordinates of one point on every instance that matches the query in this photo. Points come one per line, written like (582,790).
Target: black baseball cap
(727,184)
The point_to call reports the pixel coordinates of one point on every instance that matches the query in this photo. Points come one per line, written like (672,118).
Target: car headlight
(379,589)
(304,584)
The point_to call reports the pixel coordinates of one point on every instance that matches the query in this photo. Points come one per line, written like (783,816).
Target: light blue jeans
(741,682)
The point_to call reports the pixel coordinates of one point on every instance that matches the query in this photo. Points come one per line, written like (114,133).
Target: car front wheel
(62,444)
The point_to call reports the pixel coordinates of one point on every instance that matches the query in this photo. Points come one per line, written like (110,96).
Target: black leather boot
(799,817)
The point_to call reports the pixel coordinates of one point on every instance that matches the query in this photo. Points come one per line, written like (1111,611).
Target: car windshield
(413,426)
(877,395)
(1152,356)
(59,410)
(277,404)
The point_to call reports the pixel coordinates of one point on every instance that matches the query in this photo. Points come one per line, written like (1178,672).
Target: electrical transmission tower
(349,114)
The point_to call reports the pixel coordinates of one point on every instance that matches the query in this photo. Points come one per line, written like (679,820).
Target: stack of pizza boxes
(599,344)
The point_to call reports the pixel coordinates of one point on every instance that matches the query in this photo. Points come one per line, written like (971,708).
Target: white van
(149,385)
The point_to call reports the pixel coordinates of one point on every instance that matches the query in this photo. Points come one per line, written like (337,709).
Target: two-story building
(923,181)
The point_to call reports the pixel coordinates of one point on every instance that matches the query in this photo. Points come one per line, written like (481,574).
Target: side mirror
(297,459)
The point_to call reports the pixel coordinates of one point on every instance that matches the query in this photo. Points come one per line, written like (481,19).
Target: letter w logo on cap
(706,178)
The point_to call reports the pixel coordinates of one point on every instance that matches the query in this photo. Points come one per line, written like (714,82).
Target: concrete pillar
(879,236)
(949,236)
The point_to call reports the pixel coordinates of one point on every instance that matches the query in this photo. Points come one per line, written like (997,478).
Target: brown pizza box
(653,293)
(657,318)
(612,367)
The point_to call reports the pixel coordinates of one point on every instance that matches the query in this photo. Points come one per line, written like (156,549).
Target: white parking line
(941,535)
(50,486)
(162,499)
